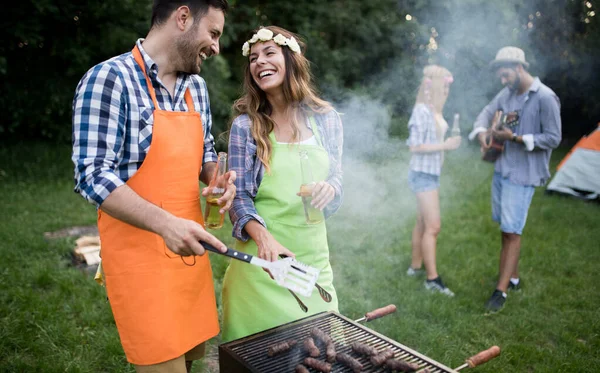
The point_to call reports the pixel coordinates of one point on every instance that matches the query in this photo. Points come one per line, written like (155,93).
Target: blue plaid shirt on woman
(250,170)
(421,126)
(113,120)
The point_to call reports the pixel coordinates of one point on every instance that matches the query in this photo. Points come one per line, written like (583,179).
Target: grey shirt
(539,124)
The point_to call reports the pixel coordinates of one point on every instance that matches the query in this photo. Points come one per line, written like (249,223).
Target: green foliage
(344,58)
(376,47)
(49,46)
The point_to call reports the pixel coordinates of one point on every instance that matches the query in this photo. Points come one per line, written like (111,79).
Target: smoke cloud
(379,210)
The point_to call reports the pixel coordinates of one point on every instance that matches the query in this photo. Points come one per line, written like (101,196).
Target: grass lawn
(55,318)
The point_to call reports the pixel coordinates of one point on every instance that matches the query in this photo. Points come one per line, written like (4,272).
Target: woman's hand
(452,143)
(269,249)
(323,193)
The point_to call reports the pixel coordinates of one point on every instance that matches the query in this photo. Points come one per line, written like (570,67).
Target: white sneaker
(414,272)
(438,286)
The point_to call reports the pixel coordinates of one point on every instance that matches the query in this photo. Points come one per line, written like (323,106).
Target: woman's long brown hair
(298,91)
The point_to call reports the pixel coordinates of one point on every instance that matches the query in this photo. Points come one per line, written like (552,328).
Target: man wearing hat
(523,164)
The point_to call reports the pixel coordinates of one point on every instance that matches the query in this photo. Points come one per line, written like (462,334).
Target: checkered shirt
(250,170)
(113,120)
(421,126)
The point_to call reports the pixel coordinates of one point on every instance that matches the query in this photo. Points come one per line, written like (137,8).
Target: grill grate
(249,354)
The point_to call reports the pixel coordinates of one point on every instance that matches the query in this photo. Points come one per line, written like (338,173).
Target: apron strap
(140,61)
(189,101)
(137,55)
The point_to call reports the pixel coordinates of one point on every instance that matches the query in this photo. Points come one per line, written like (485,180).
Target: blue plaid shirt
(250,170)
(539,119)
(113,120)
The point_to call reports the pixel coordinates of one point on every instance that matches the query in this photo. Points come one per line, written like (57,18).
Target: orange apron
(162,307)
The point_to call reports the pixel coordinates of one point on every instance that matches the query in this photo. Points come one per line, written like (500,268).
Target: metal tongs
(322,292)
(287,272)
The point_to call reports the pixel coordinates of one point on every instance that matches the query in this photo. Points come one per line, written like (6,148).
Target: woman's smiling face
(267,66)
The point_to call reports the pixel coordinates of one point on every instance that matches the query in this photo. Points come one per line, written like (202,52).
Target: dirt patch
(77,231)
(211,361)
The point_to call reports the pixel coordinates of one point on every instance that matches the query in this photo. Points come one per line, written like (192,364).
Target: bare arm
(450,144)
(181,236)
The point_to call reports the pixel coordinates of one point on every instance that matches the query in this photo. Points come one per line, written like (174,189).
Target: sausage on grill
(311,348)
(301,369)
(321,335)
(381,357)
(363,349)
(319,365)
(350,362)
(280,347)
(330,352)
(401,365)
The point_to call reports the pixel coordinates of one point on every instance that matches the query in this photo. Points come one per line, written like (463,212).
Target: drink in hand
(455,127)
(312,214)
(213,219)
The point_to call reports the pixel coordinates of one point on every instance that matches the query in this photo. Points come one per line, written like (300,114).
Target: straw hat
(509,55)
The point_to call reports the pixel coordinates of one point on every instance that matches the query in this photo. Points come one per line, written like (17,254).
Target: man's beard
(188,54)
(515,85)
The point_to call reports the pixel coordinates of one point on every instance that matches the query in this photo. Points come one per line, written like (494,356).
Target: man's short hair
(162,9)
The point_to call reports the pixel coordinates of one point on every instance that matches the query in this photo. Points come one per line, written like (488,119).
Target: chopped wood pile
(87,249)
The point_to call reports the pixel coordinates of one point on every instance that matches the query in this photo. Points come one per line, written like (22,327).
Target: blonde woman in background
(427,129)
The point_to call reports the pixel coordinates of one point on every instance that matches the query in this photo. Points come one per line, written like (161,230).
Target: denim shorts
(422,182)
(510,204)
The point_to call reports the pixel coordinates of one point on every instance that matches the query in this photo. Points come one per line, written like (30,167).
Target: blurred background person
(524,162)
(427,130)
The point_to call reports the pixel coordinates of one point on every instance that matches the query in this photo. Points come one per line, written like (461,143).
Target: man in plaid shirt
(141,141)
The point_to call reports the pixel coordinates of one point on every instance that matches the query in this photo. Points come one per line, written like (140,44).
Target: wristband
(514,137)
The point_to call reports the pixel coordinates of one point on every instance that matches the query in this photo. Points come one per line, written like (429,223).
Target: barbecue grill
(249,354)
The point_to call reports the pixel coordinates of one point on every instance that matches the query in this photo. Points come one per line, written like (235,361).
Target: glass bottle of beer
(455,126)
(312,214)
(213,219)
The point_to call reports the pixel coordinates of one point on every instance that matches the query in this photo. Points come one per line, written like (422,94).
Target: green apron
(252,301)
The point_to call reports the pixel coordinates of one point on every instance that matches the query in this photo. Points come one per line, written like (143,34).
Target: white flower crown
(265,35)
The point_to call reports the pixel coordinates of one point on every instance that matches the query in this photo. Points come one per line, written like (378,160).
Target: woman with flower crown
(427,129)
(278,116)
